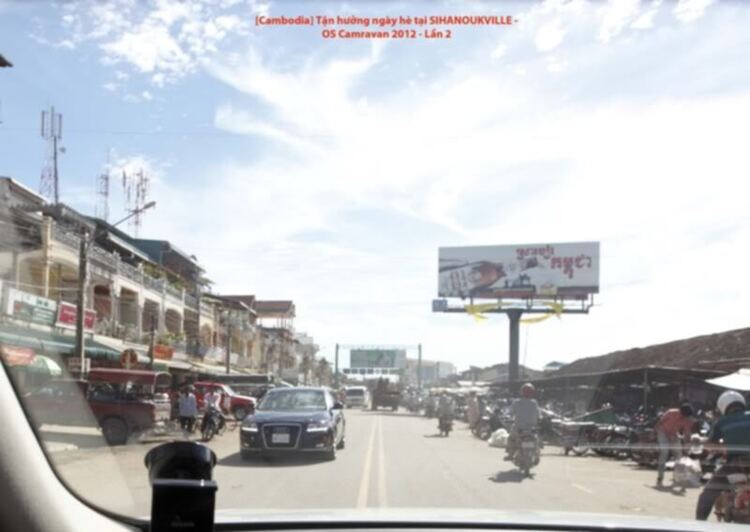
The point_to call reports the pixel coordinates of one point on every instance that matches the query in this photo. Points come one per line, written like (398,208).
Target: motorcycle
(527,455)
(445,425)
(213,425)
(733,504)
(488,424)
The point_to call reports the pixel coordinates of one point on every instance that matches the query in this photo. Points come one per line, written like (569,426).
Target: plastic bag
(499,438)
(687,473)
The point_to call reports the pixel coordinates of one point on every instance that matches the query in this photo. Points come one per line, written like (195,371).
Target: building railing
(191,301)
(172,291)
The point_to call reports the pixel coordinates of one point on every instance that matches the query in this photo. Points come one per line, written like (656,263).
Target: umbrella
(739,380)
(43,363)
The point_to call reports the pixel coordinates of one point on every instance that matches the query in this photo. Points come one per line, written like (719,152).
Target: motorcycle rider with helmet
(732,430)
(445,409)
(525,411)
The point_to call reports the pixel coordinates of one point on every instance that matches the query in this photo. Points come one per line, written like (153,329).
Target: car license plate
(528,445)
(282,437)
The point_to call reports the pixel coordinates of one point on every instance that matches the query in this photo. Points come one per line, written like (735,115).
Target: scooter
(445,425)
(527,455)
(213,424)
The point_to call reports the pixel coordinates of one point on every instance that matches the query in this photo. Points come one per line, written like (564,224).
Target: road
(391,460)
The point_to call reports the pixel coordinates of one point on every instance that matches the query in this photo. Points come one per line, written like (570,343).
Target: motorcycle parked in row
(491,421)
(527,455)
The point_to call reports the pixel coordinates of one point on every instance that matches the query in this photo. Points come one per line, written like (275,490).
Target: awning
(47,343)
(739,380)
(213,370)
(43,364)
(119,346)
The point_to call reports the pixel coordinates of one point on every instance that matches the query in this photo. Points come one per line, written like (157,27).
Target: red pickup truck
(121,402)
(232,403)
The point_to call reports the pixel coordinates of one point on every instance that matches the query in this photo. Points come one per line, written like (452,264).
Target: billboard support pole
(514,319)
(419,367)
(336,368)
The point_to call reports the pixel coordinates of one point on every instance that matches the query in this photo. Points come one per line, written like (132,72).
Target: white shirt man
(212,400)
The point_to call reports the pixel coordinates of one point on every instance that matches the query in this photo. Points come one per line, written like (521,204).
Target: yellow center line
(364,485)
(381,469)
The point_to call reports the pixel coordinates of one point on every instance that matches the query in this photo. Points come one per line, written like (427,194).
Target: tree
(323,373)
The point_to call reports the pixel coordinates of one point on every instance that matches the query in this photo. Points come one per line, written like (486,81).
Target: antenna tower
(51,130)
(102,190)
(135,189)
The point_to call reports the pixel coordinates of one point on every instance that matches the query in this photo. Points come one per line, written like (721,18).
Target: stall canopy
(739,380)
(45,343)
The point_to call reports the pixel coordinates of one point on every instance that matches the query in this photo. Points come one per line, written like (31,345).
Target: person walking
(672,425)
(188,409)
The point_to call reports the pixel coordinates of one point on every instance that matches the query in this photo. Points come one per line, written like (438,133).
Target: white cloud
(167,39)
(646,20)
(616,16)
(498,52)
(549,37)
(110,86)
(691,10)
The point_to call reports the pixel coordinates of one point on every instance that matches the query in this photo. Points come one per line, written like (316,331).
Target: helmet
(528,390)
(729,398)
(686,409)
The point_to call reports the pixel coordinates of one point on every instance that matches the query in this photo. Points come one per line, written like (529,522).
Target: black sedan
(292,420)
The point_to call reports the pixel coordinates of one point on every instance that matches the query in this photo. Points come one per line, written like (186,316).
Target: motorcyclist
(445,408)
(212,405)
(732,432)
(525,412)
(472,411)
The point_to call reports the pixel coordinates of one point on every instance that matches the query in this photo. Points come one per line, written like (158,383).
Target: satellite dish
(62,149)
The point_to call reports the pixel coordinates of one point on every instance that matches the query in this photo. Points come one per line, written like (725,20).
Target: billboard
(563,270)
(377,358)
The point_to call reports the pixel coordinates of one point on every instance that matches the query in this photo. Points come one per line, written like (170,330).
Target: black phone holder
(184,494)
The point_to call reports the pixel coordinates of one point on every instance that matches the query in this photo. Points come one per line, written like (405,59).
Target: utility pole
(514,318)
(83,262)
(152,345)
(336,368)
(419,367)
(229,346)
(83,251)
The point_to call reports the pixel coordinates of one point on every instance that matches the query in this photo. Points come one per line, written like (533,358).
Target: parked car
(292,420)
(233,403)
(121,402)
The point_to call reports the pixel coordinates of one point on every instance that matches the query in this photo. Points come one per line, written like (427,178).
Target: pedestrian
(672,425)
(187,409)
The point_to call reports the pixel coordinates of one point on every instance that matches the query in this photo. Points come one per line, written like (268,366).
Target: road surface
(391,460)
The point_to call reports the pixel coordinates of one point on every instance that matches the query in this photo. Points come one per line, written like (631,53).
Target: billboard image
(377,358)
(566,270)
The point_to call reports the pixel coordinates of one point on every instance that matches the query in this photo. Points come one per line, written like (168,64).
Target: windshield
(293,400)
(357,208)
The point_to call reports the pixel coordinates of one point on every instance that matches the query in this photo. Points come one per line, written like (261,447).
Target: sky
(330,171)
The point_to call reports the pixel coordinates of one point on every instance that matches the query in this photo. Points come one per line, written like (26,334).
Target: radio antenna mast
(102,190)
(51,130)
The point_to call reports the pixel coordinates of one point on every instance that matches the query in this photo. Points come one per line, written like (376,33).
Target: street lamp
(83,257)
